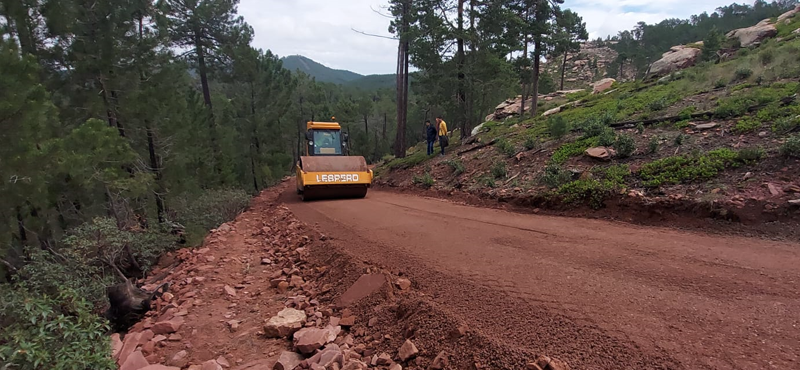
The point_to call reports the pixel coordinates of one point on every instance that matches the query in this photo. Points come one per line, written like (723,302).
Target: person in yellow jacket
(444,141)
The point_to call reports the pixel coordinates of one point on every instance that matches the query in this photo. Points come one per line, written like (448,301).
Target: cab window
(327,142)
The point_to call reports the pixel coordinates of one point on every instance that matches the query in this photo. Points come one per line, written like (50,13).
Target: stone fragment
(407,351)
(169,326)
(285,323)
(135,361)
(288,361)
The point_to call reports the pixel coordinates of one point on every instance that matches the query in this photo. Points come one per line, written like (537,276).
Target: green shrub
(686,113)
(499,170)
(786,125)
(505,147)
(750,155)
(530,142)
(746,124)
(426,180)
(212,208)
(770,113)
(682,124)
(720,84)
(557,127)
(607,137)
(569,150)
(585,190)
(652,146)
(615,174)
(658,104)
(688,168)
(625,146)
(83,264)
(766,57)
(555,176)
(679,139)
(640,128)
(791,147)
(456,165)
(487,181)
(731,108)
(57,331)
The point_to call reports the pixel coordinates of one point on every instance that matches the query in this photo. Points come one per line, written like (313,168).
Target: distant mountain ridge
(337,76)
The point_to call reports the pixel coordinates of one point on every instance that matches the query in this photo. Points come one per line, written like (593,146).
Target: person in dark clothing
(431,135)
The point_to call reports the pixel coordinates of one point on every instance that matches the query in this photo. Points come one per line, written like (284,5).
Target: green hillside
(319,71)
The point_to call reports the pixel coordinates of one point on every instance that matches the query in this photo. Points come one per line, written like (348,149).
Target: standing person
(430,133)
(444,141)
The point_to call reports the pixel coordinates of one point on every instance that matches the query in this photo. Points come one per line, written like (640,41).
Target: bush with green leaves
(90,256)
(652,146)
(211,208)
(456,165)
(426,180)
(557,127)
(751,155)
(688,168)
(58,331)
(625,146)
(679,139)
(554,176)
(531,142)
(791,147)
(743,73)
(746,124)
(505,147)
(569,150)
(607,137)
(589,191)
(786,125)
(766,57)
(499,170)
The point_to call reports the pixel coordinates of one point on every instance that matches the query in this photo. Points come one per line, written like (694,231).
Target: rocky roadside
(268,292)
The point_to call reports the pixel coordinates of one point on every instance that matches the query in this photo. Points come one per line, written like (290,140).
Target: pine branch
(374,35)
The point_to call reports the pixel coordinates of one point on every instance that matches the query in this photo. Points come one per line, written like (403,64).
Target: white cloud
(322,29)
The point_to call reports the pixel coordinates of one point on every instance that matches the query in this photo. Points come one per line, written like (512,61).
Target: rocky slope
(705,141)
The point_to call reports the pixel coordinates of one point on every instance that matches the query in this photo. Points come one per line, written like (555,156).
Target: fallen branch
(9,265)
(513,177)
(492,142)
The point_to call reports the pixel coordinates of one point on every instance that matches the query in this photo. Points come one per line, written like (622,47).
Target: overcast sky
(322,29)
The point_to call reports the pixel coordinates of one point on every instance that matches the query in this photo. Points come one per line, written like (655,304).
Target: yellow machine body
(325,171)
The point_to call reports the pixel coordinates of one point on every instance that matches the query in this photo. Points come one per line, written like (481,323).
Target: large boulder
(602,85)
(751,36)
(785,17)
(679,57)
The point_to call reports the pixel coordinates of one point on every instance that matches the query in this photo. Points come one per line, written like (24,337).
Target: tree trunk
(537,50)
(366,134)
(155,166)
(402,84)
(212,126)
(17,17)
(460,61)
(563,69)
(525,43)
(383,132)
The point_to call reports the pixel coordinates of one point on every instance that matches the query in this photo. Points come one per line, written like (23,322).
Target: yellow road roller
(326,171)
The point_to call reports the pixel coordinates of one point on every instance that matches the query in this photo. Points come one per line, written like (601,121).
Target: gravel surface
(597,294)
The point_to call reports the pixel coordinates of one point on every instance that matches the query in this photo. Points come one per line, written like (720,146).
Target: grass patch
(555,176)
(505,147)
(569,150)
(456,165)
(685,169)
(499,170)
(426,180)
(589,191)
(625,146)
(791,147)
(786,125)
(747,124)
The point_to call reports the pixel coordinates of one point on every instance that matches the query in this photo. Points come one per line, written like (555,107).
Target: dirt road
(597,294)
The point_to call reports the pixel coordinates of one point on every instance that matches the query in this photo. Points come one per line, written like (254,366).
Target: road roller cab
(326,171)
